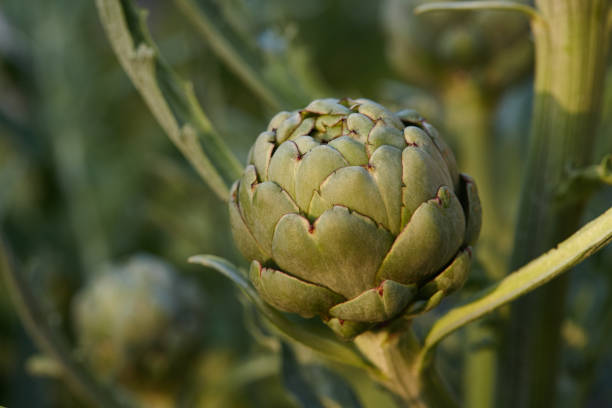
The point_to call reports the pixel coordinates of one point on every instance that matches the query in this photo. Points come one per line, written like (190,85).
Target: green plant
(571,44)
(135,321)
(355,214)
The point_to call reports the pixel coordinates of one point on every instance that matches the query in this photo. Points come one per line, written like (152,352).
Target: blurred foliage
(87,178)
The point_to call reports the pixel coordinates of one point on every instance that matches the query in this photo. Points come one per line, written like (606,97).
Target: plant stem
(36,323)
(393,350)
(571,41)
(239,63)
(480,365)
(171,99)
(596,351)
(468,114)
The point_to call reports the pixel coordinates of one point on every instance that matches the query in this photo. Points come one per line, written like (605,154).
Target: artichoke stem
(571,41)
(468,111)
(393,350)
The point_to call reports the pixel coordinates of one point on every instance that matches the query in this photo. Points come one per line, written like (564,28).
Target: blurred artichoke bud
(459,45)
(354,214)
(138,321)
(426,47)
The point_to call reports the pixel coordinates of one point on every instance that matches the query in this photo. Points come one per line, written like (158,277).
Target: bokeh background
(92,192)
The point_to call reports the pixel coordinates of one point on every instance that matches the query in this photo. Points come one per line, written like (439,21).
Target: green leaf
(295,382)
(582,244)
(331,386)
(253,370)
(206,21)
(286,79)
(327,346)
(171,99)
(228,270)
(314,385)
(478,5)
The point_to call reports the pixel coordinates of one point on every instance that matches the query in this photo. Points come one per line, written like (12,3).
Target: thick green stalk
(394,350)
(468,115)
(596,349)
(571,42)
(480,366)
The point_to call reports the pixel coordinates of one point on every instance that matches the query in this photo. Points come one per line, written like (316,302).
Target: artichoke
(138,321)
(353,213)
(426,49)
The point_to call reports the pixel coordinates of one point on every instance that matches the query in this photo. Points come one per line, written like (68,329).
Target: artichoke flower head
(426,49)
(138,322)
(353,213)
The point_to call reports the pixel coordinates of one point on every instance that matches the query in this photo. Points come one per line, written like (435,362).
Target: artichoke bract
(354,213)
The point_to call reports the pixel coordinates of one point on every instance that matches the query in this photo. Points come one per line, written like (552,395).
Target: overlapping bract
(353,213)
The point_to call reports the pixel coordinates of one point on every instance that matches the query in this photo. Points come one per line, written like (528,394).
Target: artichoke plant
(427,49)
(355,214)
(138,321)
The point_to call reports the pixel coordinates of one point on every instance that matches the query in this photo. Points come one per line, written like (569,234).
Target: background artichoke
(493,47)
(353,213)
(138,321)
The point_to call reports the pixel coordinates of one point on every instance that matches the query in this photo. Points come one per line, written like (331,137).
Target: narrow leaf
(295,382)
(286,78)
(585,242)
(170,99)
(327,346)
(229,51)
(228,270)
(331,386)
(478,5)
(253,370)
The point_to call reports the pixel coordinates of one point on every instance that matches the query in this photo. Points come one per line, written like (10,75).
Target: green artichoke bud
(138,322)
(424,49)
(354,214)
